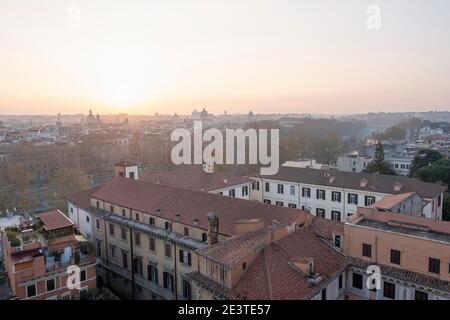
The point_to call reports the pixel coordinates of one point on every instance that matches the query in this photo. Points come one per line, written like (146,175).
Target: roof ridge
(269,279)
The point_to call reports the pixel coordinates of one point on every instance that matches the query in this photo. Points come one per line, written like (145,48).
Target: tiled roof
(216,288)
(325,228)
(358,181)
(405,275)
(193,177)
(83,198)
(54,220)
(392,200)
(271,275)
(233,249)
(190,205)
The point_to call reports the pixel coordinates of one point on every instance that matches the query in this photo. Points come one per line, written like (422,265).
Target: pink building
(38,253)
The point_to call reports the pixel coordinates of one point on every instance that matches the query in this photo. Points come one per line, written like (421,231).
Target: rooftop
(273,276)
(358,181)
(54,220)
(168,201)
(391,201)
(192,177)
(406,229)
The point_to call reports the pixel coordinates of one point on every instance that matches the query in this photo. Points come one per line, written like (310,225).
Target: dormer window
(151,221)
(244,266)
(167,225)
(311,268)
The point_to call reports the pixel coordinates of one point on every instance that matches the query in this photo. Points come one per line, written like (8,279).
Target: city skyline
(173,57)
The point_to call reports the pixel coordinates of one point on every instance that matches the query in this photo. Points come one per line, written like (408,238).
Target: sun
(124,78)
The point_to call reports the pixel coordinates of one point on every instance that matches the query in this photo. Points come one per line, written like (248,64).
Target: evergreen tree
(378,165)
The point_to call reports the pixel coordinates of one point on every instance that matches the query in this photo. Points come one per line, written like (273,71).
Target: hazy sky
(167,56)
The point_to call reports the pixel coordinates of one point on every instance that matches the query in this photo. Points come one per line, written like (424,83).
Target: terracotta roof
(392,200)
(235,248)
(83,198)
(358,181)
(126,163)
(54,220)
(325,228)
(271,275)
(190,205)
(194,178)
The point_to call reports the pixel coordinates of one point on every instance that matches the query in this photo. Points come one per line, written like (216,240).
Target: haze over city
(268,56)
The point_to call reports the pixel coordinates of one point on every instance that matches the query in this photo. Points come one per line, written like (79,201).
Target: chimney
(363,183)
(213,228)
(225,181)
(126,169)
(332,178)
(208,168)
(177,217)
(158,211)
(397,186)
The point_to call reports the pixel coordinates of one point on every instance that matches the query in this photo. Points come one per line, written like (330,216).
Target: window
(395,256)
(124,259)
(83,275)
(366,250)
(245,190)
(132,175)
(389,290)
(204,237)
(231,193)
(152,273)
(357,281)
(151,243)
(112,249)
(244,266)
(434,265)
(292,190)
(31,290)
(320,194)
(111,229)
(267,187)
(168,250)
(420,295)
(137,216)
(337,241)
(369,200)
(292,205)
(255,185)
(123,232)
(97,224)
(340,281)
(306,192)
(324,294)
(320,213)
(111,208)
(185,257)
(99,248)
(71,210)
(50,285)
(186,290)
(87,219)
(279,203)
(267,201)
(137,238)
(335,215)
(138,266)
(186,231)
(98,204)
(353,198)
(336,196)
(124,213)
(151,221)
(167,225)
(168,281)
(439,202)
(280,189)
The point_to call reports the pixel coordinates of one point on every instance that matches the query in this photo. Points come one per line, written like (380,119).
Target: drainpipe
(133,285)
(175,278)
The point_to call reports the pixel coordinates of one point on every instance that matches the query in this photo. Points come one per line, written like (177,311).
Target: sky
(270,56)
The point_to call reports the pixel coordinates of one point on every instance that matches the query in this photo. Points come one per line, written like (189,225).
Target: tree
(378,165)
(424,158)
(446,207)
(64,182)
(14,182)
(437,172)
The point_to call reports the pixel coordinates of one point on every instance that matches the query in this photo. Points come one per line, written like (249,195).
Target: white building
(352,163)
(335,195)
